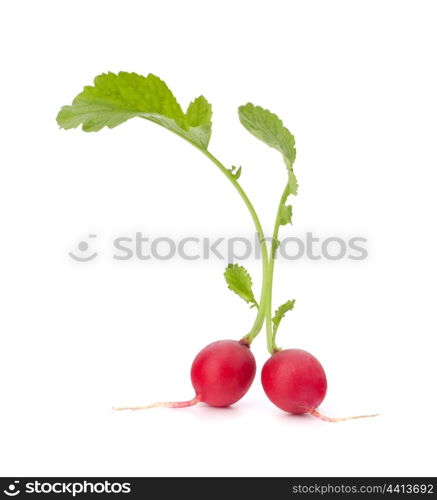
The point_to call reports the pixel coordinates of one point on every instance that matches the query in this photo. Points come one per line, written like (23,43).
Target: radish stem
(259,320)
(271,335)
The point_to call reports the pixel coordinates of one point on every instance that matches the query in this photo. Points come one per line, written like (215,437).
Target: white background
(356,83)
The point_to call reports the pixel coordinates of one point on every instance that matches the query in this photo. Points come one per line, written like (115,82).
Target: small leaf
(267,127)
(280,313)
(235,172)
(199,114)
(240,282)
(285,215)
(292,182)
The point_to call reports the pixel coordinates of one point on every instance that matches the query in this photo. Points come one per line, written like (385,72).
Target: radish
(221,374)
(223,371)
(295,381)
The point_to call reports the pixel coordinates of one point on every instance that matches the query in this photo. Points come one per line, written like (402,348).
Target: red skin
(294,381)
(223,372)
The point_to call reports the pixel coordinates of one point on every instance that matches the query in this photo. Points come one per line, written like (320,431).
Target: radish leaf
(236,172)
(199,114)
(286,214)
(267,127)
(240,282)
(115,98)
(280,313)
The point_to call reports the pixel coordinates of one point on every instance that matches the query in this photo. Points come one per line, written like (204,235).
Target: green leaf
(199,114)
(235,172)
(240,282)
(115,98)
(285,215)
(280,313)
(267,127)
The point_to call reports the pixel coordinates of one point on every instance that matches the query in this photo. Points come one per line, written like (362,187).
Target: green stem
(259,320)
(268,262)
(271,335)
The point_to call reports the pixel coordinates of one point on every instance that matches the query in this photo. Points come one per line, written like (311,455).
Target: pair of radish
(223,371)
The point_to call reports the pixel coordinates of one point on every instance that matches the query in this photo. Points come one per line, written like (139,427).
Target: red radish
(294,380)
(222,372)
(221,375)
